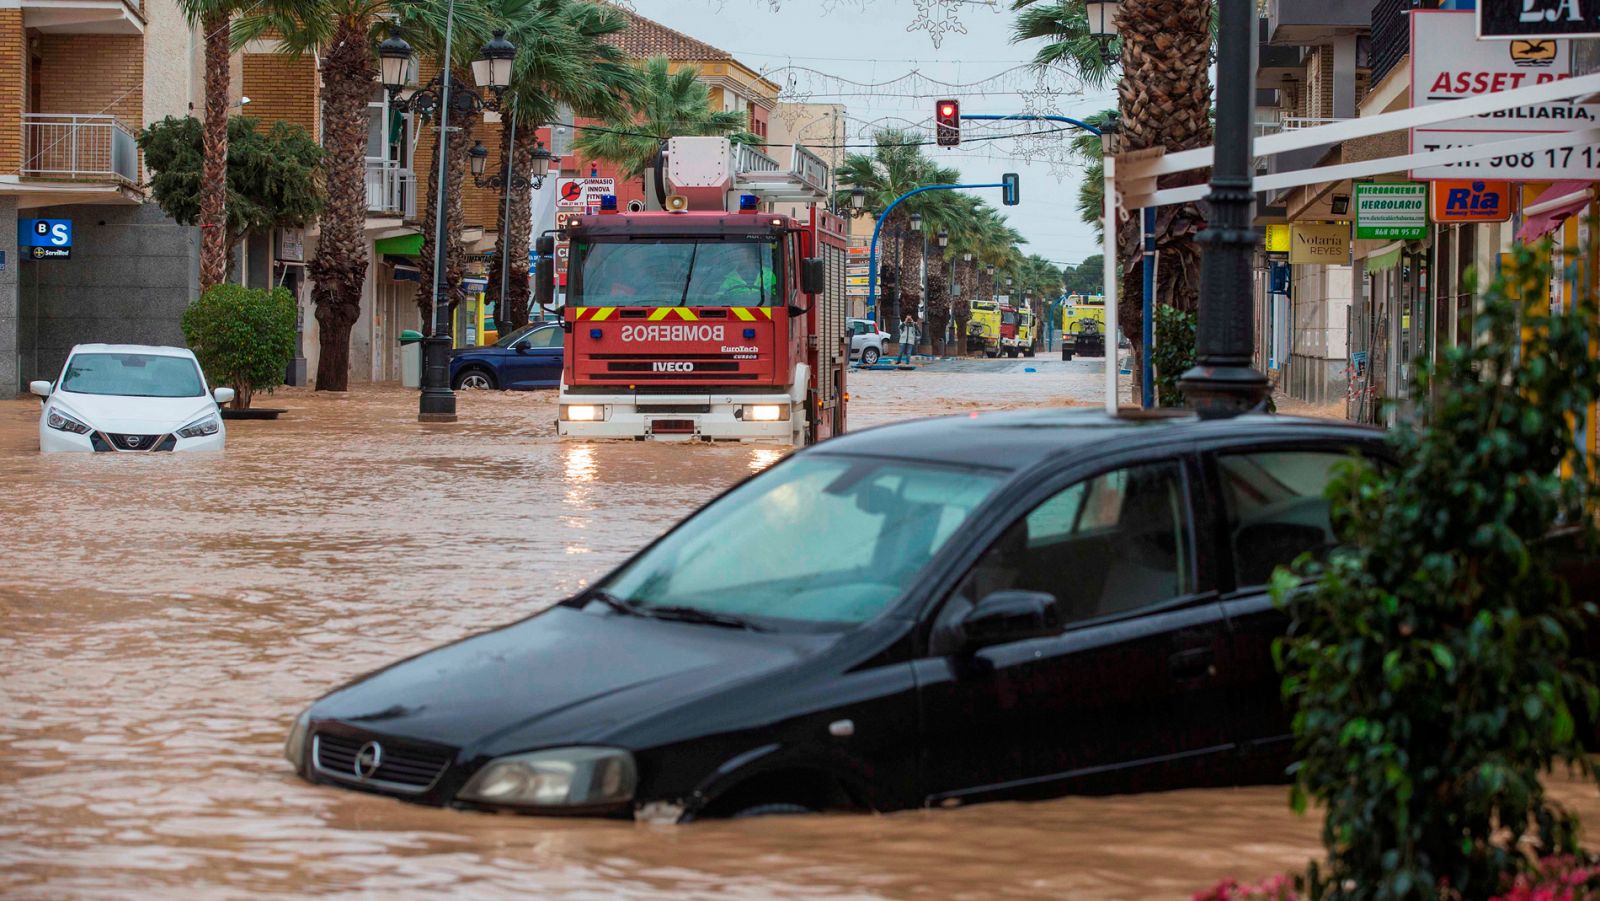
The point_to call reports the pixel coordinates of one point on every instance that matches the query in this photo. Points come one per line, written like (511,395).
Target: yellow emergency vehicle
(1083,325)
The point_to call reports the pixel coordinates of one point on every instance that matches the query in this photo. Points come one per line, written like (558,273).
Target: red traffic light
(947,119)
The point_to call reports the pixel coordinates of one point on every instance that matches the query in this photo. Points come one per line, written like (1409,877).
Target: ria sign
(1512,20)
(1470,201)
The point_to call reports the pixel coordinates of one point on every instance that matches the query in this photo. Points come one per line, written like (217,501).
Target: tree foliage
(1088,277)
(243,337)
(272,176)
(665,104)
(1174,353)
(1434,661)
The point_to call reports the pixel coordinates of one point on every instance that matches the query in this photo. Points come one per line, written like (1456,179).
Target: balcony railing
(391,189)
(69,146)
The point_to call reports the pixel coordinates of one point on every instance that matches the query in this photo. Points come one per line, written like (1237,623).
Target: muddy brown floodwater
(162,619)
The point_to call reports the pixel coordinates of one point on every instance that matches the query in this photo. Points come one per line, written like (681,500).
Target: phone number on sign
(1587,157)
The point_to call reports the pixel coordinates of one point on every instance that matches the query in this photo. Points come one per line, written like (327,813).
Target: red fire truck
(697,323)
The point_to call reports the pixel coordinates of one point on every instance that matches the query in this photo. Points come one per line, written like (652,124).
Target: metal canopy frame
(1131,180)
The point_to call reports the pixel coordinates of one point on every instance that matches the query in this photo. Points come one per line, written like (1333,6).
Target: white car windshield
(818,540)
(133,375)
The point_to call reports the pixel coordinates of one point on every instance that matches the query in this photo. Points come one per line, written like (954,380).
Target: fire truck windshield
(678,273)
(1007,317)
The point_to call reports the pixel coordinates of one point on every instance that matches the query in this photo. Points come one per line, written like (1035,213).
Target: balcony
(391,189)
(70,147)
(1315,21)
(82,16)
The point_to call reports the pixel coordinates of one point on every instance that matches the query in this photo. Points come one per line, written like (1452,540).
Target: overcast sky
(871,44)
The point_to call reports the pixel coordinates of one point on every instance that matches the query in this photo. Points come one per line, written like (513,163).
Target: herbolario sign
(1449,64)
(1520,19)
(1396,211)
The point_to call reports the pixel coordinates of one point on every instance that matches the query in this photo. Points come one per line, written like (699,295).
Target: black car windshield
(678,273)
(818,540)
(133,375)
(512,338)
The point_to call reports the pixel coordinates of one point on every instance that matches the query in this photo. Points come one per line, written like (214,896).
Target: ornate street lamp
(944,238)
(1103,26)
(856,207)
(916,222)
(492,71)
(538,169)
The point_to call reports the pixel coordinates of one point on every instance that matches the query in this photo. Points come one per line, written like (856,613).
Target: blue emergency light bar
(608,203)
(748,203)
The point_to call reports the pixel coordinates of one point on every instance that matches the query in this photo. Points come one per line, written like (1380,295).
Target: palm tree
(212,17)
(1164,100)
(668,104)
(344,33)
(562,57)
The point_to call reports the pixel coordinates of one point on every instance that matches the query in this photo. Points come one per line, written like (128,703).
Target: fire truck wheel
(991,354)
(869,356)
(474,380)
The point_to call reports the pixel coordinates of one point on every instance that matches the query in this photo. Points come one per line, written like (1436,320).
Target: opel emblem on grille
(368,760)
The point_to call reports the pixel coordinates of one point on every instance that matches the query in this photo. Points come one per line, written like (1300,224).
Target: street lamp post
(491,70)
(1223,383)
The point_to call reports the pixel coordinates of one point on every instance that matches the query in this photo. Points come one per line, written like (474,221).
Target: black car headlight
(205,425)
(61,422)
(560,777)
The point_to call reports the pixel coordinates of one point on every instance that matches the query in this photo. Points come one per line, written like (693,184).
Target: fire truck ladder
(808,178)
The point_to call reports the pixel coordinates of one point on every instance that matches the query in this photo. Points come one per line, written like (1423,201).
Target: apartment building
(78,79)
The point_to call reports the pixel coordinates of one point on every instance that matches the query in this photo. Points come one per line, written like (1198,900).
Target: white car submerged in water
(130,398)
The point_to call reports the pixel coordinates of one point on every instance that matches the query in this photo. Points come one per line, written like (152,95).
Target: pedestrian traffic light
(947,115)
(1010,189)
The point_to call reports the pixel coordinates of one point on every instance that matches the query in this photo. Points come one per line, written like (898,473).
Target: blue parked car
(529,357)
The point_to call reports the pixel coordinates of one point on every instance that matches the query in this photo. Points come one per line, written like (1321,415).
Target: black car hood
(565,676)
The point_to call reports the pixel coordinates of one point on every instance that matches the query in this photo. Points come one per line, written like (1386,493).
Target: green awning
(1384,261)
(398,246)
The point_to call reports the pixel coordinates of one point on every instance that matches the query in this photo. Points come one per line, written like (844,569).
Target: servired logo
(1471,200)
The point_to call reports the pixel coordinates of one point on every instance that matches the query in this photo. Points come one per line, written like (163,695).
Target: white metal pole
(1109,231)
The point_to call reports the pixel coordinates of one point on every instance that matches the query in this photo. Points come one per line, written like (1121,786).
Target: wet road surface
(163,618)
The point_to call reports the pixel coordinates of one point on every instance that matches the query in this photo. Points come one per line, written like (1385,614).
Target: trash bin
(411,358)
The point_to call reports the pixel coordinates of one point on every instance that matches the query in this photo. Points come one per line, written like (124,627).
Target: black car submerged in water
(1002,606)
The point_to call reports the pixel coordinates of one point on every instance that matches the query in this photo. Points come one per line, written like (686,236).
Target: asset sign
(1448,64)
(1520,19)
(1392,211)
(1327,243)
(1471,200)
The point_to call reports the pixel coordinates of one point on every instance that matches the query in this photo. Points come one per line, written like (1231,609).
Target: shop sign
(292,245)
(1327,243)
(583,193)
(1448,63)
(1518,19)
(1391,211)
(1471,200)
(1277,239)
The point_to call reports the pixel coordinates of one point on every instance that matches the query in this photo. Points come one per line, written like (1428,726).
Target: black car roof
(1019,439)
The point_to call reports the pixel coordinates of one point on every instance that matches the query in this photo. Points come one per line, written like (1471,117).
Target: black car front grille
(399,768)
(113,441)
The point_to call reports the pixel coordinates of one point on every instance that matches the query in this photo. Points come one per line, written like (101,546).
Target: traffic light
(1010,189)
(947,115)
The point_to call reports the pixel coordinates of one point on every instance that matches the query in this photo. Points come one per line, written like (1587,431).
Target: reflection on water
(163,619)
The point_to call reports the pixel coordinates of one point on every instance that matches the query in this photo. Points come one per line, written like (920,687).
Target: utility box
(411,358)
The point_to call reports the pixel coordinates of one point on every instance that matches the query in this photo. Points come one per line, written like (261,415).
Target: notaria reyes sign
(1327,243)
(1516,19)
(1395,211)
(1448,63)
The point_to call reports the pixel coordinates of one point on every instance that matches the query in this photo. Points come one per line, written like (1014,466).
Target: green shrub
(244,337)
(1173,354)
(1435,663)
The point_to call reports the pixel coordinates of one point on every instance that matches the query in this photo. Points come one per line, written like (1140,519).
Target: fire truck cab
(697,322)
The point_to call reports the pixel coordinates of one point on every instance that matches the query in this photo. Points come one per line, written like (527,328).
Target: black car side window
(1113,543)
(1276,508)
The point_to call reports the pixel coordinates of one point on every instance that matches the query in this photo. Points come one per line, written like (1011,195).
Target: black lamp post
(479,158)
(1102,15)
(492,71)
(1222,383)
(857,206)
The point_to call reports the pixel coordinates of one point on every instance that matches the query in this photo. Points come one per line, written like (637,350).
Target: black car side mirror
(521,346)
(1007,616)
(813,275)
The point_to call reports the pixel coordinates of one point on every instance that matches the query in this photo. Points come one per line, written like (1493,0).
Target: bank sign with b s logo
(45,239)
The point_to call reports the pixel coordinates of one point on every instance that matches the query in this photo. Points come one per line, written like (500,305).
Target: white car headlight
(562,777)
(766,412)
(205,425)
(61,422)
(583,413)
(295,747)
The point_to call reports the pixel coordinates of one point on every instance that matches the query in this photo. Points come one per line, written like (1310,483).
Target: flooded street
(163,618)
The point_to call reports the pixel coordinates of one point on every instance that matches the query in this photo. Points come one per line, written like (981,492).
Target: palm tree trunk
(455,252)
(1165,101)
(511,246)
(214,169)
(340,267)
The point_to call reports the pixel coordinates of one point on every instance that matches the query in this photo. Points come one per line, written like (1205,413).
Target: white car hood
(134,415)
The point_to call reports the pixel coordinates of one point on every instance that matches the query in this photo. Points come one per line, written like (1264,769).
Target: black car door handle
(1195,663)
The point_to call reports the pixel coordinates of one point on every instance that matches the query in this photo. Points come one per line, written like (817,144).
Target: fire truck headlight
(582,413)
(766,412)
